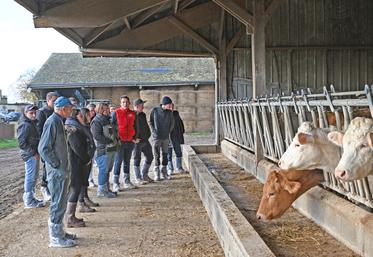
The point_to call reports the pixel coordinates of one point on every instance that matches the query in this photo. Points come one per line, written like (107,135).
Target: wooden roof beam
(174,6)
(236,11)
(95,33)
(194,35)
(143,16)
(184,4)
(96,13)
(239,34)
(126,21)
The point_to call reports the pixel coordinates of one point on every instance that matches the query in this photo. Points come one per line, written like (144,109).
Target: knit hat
(166,100)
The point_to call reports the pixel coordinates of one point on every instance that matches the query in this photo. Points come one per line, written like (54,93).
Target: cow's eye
(271,194)
(297,145)
(364,145)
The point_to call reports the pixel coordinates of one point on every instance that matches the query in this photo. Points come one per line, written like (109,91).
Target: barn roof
(71,69)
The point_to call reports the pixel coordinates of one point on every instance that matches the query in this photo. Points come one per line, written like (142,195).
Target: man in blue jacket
(53,150)
(28,140)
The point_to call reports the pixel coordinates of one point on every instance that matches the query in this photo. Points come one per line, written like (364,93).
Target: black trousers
(143,147)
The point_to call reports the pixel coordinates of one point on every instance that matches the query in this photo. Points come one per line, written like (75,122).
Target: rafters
(184,4)
(143,16)
(239,34)
(96,13)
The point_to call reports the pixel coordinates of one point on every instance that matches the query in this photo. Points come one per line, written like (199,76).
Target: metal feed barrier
(278,118)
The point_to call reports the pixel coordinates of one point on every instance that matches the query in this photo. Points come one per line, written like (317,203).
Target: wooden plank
(272,8)
(160,30)
(174,5)
(190,32)
(92,52)
(143,16)
(221,26)
(235,40)
(236,11)
(96,13)
(95,33)
(126,21)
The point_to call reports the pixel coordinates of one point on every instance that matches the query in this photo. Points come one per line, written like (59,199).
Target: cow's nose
(341,173)
(258,216)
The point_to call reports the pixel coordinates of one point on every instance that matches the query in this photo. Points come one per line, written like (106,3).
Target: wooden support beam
(96,13)
(236,11)
(272,8)
(128,25)
(143,16)
(194,35)
(239,34)
(160,30)
(92,52)
(174,5)
(95,33)
(221,26)
(184,4)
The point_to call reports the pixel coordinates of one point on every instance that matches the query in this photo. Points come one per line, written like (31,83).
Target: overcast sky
(22,46)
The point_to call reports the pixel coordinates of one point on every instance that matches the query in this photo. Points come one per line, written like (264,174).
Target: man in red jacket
(125,119)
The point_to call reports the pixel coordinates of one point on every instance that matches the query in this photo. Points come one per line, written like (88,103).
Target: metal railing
(278,118)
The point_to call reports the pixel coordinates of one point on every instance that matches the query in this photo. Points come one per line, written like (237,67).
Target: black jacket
(28,137)
(141,126)
(161,123)
(177,134)
(42,115)
(78,151)
(104,134)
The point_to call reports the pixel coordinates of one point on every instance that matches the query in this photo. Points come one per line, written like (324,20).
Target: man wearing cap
(53,150)
(41,116)
(161,123)
(143,146)
(28,140)
(124,117)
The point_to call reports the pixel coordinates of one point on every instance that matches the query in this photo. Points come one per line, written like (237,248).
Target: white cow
(357,159)
(309,150)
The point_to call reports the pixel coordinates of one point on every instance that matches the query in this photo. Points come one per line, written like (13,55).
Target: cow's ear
(292,187)
(305,138)
(336,137)
(370,139)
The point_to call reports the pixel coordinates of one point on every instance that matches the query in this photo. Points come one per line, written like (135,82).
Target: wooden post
(258,56)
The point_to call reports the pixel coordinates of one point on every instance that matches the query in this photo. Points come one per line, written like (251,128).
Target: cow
(357,158)
(309,150)
(282,188)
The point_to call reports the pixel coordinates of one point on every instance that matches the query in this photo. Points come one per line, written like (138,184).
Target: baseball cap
(31,107)
(62,101)
(139,101)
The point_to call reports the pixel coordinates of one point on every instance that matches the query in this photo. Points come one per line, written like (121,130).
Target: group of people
(69,140)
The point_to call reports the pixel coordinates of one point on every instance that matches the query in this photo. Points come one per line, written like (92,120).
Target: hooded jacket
(28,137)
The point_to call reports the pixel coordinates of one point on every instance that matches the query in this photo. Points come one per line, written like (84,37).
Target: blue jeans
(31,174)
(58,182)
(105,164)
(123,155)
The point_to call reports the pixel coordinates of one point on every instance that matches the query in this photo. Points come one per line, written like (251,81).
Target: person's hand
(136,140)
(90,161)
(37,157)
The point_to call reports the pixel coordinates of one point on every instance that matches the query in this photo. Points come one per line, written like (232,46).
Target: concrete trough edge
(347,222)
(236,235)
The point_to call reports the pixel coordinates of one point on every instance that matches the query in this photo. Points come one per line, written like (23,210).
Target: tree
(21,87)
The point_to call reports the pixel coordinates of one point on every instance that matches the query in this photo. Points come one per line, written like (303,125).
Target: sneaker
(34,203)
(46,194)
(140,182)
(106,194)
(180,171)
(92,184)
(129,185)
(170,172)
(116,187)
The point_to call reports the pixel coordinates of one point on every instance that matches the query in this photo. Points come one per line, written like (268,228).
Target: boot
(30,202)
(138,178)
(127,182)
(157,176)
(84,208)
(164,174)
(70,219)
(179,165)
(116,184)
(90,203)
(102,191)
(144,173)
(170,168)
(57,237)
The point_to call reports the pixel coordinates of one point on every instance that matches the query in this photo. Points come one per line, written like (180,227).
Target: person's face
(31,115)
(112,109)
(66,111)
(139,107)
(106,111)
(51,101)
(168,107)
(92,112)
(124,103)
(80,118)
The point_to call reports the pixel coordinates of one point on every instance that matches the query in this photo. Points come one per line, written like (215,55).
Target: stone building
(189,82)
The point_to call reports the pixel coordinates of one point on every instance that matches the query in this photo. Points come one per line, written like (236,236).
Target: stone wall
(195,105)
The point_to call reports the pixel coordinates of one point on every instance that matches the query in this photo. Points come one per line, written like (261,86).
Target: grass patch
(8,143)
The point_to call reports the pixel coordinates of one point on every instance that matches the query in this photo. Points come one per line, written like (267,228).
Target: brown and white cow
(282,188)
(357,158)
(310,149)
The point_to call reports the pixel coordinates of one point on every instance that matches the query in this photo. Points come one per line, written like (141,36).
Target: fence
(277,118)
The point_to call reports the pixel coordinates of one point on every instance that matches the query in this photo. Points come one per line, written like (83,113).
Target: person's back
(42,115)
(161,122)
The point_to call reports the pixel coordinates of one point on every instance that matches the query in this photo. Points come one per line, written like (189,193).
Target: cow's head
(357,158)
(310,149)
(278,194)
